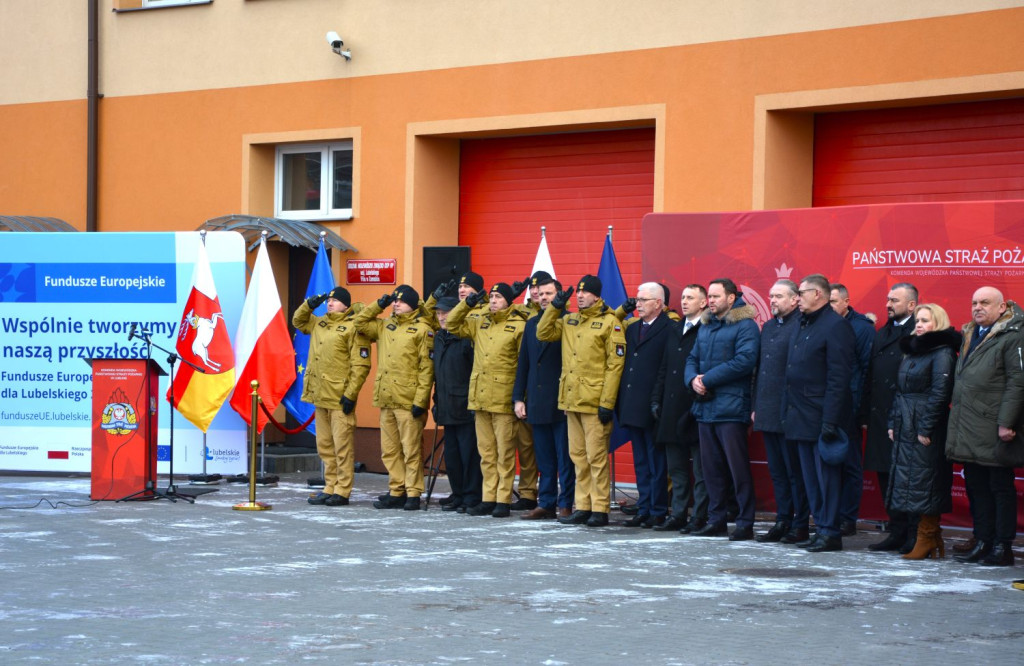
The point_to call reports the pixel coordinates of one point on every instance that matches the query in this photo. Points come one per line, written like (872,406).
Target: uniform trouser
(787,480)
(462,462)
(401,450)
(496,441)
(824,485)
(588,448)
(724,454)
(527,461)
(993,499)
(679,457)
(853,477)
(335,442)
(651,474)
(557,475)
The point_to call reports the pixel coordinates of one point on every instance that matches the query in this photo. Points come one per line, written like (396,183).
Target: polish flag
(542,262)
(263,347)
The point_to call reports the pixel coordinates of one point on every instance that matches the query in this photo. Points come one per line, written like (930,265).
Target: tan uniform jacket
(593,351)
(339,356)
(405,370)
(496,338)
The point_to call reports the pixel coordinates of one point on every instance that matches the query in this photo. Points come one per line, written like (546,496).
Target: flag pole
(252,504)
(612,503)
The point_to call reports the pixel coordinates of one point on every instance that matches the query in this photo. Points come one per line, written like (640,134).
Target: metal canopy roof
(298,233)
(29,223)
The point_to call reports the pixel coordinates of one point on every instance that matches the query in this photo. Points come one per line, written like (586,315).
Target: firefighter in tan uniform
(337,366)
(593,351)
(405,374)
(496,337)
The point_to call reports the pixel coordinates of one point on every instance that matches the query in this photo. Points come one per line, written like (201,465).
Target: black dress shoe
(391,502)
(597,519)
(481,509)
(826,545)
(462,509)
(319,499)
(742,534)
(796,535)
(412,504)
(710,530)
(848,528)
(909,544)
(629,509)
(454,505)
(523,504)
(336,500)
(1001,556)
(635,521)
(673,523)
(653,521)
(892,542)
(809,541)
(778,530)
(694,525)
(448,500)
(501,510)
(981,550)
(575,518)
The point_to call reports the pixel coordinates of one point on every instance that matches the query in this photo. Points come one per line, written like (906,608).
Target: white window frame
(326,150)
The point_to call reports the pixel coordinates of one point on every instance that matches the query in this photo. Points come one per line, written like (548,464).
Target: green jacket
(405,369)
(339,356)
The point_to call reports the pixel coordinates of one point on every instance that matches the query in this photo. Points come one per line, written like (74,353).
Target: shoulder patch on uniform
(430,334)
(620,350)
(391,327)
(597,324)
(364,352)
(572,321)
(617,328)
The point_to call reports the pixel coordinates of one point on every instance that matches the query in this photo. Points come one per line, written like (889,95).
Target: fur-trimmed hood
(922,344)
(1012,319)
(739,311)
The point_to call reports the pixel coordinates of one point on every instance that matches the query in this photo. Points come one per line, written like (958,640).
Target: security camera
(334,39)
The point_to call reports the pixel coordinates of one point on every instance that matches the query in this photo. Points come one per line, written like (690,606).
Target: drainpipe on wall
(92,120)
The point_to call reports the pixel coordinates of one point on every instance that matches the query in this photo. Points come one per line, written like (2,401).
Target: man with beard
(880,388)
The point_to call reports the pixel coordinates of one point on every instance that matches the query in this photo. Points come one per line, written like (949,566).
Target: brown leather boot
(929,540)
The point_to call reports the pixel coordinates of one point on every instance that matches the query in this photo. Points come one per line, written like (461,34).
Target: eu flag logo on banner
(320,282)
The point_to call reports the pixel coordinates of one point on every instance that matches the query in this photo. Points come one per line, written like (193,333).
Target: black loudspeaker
(441,264)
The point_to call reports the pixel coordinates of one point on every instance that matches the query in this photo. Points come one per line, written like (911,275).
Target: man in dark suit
(535,399)
(818,404)
(645,344)
(791,509)
(879,390)
(676,428)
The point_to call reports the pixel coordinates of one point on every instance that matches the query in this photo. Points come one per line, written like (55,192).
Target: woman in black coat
(921,477)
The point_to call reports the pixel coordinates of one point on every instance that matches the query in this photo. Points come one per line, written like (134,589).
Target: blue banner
(613,291)
(90,283)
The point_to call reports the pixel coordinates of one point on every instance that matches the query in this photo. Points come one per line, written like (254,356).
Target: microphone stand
(172,492)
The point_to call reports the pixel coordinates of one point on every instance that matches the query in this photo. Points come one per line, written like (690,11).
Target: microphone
(131,332)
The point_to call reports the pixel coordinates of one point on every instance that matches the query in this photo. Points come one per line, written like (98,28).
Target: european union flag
(613,291)
(320,282)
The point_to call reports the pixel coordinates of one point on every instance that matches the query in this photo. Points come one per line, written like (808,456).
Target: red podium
(124,420)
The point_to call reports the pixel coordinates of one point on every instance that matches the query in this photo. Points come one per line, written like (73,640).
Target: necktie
(687,327)
(643,329)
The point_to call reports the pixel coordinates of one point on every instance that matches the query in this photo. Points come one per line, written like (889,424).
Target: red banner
(947,250)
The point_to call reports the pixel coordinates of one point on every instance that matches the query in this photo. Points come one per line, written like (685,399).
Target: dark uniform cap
(590,283)
(341,294)
(541,278)
(504,290)
(474,280)
(446,303)
(407,295)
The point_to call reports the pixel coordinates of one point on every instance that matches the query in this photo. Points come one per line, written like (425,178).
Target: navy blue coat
(540,366)
(770,381)
(726,354)
(453,363)
(864,332)
(675,398)
(643,359)
(818,374)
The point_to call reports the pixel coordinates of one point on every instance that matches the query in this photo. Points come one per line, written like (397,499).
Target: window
(313,181)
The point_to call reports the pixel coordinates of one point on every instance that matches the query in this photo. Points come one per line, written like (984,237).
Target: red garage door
(573,184)
(952,152)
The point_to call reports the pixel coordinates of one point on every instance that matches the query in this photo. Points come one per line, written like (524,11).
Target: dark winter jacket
(770,383)
(920,475)
(643,359)
(988,392)
(673,396)
(864,332)
(726,354)
(453,364)
(879,390)
(540,366)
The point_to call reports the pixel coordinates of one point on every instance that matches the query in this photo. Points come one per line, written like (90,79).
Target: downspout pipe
(92,116)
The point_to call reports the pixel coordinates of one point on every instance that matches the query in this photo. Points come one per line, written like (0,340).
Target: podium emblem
(119,417)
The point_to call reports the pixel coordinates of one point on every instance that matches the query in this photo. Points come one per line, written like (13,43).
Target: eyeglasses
(647,300)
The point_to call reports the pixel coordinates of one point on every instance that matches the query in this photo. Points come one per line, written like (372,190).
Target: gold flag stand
(252,504)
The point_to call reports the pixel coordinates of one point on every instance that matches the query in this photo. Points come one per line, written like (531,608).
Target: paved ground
(163,583)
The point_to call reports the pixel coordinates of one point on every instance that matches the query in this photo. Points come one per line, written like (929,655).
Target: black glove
(604,415)
(347,405)
(444,289)
(474,298)
(656,410)
(417,411)
(385,300)
(561,298)
(829,433)
(316,301)
(629,305)
(519,287)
